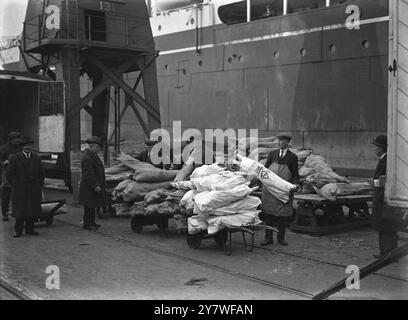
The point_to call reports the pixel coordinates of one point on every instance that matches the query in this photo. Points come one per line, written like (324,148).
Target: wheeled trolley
(225,235)
(48,215)
(316,215)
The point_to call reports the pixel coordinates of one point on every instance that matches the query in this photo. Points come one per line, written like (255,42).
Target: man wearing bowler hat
(10,148)
(284,163)
(92,194)
(26,176)
(387,228)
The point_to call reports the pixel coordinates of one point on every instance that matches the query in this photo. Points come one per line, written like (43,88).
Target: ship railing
(119,29)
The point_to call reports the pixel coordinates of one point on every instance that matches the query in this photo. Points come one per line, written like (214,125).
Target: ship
(316,68)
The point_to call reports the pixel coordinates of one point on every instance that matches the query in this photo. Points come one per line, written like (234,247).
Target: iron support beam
(128,90)
(101,87)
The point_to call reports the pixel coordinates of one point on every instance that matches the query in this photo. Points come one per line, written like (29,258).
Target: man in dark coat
(26,176)
(10,148)
(387,228)
(92,194)
(284,163)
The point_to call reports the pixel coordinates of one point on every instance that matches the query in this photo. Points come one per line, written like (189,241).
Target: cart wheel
(136,224)
(49,220)
(221,237)
(193,241)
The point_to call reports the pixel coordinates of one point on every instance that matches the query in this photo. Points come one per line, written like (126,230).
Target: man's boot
(281,236)
(268,238)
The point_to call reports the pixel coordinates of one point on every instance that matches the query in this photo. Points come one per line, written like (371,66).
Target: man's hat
(26,141)
(14,135)
(380,141)
(284,135)
(95,140)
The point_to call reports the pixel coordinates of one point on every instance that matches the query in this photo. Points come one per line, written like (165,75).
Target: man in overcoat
(284,163)
(387,228)
(92,194)
(26,176)
(10,148)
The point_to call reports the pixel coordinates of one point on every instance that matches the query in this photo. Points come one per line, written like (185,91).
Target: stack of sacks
(217,195)
(320,177)
(131,191)
(145,178)
(317,172)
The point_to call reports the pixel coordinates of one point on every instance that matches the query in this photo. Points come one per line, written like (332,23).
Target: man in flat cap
(92,194)
(26,176)
(387,228)
(284,163)
(10,148)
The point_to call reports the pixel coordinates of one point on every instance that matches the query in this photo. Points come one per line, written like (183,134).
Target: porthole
(160,27)
(365,44)
(241,59)
(166,67)
(276,54)
(302,52)
(229,59)
(332,48)
(200,63)
(192,21)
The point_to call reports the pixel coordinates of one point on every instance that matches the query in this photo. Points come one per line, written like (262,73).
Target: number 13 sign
(107,6)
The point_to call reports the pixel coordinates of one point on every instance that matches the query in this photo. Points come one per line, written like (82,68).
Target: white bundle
(248,204)
(216,224)
(188,199)
(207,201)
(206,170)
(195,225)
(277,186)
(219,181)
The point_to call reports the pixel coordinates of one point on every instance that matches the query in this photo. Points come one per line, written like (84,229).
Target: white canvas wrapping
(219,181)
(277,186)
(207,201)
(248,204)
(195,225)
(188,199)
(216,224)
(206,170)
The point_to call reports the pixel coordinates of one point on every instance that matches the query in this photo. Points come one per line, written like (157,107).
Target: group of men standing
(23,180)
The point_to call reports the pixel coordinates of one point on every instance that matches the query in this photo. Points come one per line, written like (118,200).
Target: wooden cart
(316,215)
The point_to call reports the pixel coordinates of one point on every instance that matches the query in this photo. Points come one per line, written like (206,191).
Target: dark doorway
(95,25)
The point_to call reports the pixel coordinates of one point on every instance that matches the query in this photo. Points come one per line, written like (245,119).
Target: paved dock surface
(115,263)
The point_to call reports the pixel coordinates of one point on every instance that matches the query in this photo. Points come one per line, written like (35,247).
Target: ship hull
(306,73)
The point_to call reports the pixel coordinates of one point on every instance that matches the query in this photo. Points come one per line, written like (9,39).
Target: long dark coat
(287,169)
(26,177)
(93,175)
(379,223)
